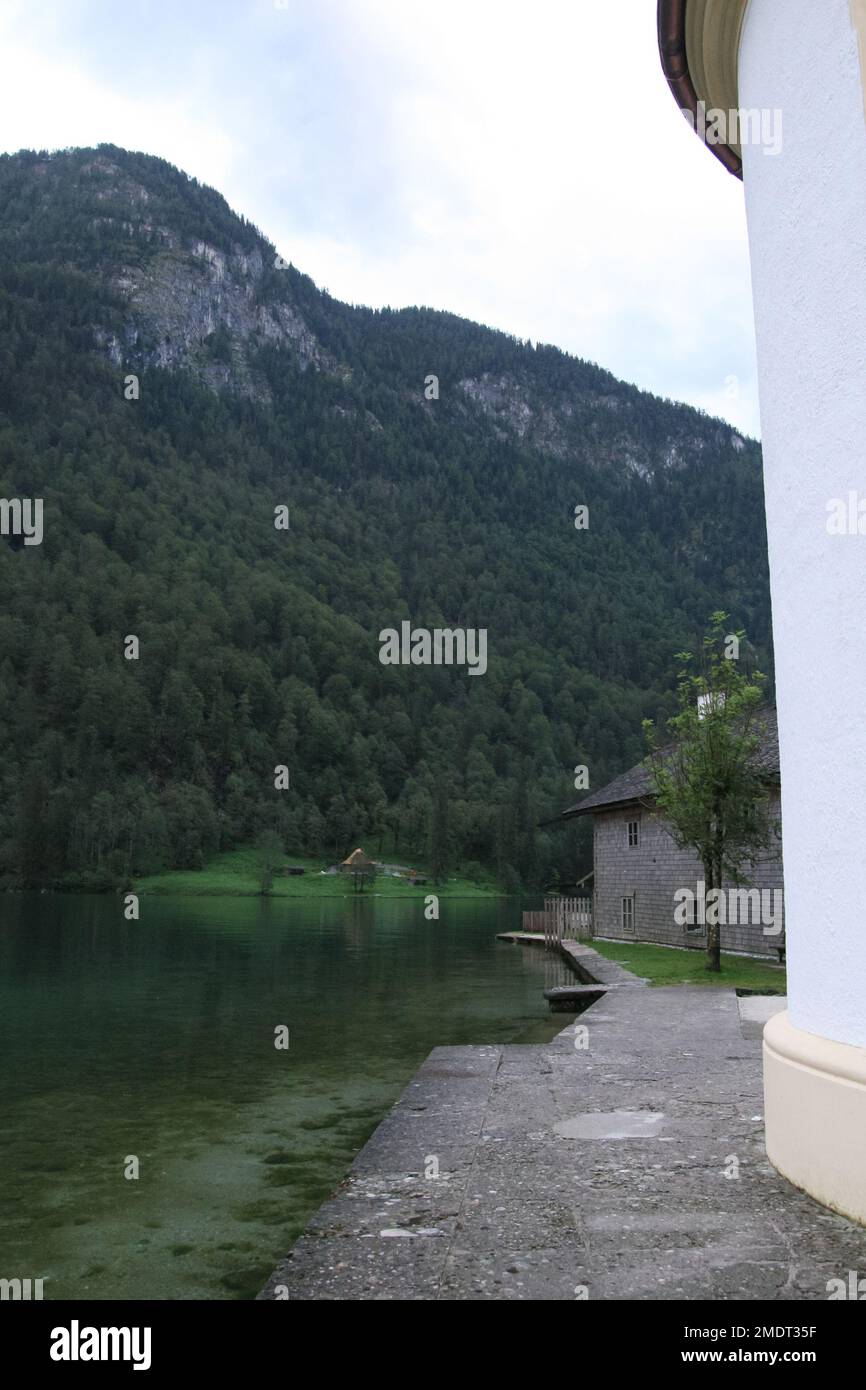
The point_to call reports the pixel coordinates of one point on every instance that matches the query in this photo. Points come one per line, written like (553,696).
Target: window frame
(627,918)
(694,928)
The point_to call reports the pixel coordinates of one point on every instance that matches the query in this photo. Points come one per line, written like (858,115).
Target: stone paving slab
(756,1010)
(524,1209)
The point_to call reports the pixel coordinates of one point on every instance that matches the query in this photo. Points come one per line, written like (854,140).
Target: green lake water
(156,1039)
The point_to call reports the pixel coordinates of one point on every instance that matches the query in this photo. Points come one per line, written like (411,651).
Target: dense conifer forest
(259,646)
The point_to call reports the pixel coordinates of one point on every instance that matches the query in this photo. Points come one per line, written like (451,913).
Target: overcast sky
(519,162)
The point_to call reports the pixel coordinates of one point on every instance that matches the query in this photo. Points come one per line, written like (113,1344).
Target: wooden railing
(562,919)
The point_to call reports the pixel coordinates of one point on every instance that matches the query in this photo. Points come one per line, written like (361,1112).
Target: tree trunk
(714,961)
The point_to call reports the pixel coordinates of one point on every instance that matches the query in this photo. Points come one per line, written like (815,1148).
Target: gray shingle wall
(653,871)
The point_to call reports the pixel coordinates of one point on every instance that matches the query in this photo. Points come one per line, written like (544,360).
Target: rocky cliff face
(196,288)
(567,422)
(191,304)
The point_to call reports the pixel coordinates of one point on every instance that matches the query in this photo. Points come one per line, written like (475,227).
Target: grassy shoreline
(235,873)
(671,965)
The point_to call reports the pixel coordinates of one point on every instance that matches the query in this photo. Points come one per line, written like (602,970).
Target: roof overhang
(699,43)
(599,808)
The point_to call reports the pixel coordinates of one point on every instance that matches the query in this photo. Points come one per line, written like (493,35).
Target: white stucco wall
(807,228)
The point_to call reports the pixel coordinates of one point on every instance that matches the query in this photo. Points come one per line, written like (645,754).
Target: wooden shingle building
(639,872)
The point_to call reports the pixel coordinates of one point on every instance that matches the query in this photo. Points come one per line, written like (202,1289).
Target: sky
(521,164)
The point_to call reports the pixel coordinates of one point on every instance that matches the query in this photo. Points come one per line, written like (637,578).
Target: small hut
(357,863)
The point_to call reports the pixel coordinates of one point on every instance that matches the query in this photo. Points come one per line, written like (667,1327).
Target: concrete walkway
(567,1171)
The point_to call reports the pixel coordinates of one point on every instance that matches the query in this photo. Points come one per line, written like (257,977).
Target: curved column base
(815,1112)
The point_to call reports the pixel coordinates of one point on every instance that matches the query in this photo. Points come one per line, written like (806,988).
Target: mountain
(167,383)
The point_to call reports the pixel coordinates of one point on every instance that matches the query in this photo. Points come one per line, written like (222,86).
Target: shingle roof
(635,785)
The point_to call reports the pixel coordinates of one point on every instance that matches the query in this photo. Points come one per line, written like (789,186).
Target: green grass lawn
(666,965)
(236,873)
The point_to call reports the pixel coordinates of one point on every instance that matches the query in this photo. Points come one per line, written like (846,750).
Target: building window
(691,923)
(633,834)
(628,916)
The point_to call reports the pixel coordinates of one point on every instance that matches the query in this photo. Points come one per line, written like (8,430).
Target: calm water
(156,1039)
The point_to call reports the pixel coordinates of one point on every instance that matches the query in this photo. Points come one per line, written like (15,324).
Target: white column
(807,229)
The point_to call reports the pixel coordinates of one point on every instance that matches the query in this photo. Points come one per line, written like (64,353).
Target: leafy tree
(270,855)
(708,783)
(363,878)
(439,834)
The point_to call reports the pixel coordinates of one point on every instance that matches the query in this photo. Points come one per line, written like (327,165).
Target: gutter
(644,803)
(675,65)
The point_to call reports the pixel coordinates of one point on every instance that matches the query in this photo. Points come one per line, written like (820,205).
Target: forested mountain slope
(260,646)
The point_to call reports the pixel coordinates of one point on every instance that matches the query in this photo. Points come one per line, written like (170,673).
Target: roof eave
(675,65)
(598,807)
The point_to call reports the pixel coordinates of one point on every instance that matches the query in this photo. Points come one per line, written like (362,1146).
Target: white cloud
(47,102)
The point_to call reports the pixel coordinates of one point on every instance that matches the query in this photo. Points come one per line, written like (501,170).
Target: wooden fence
(562,919)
